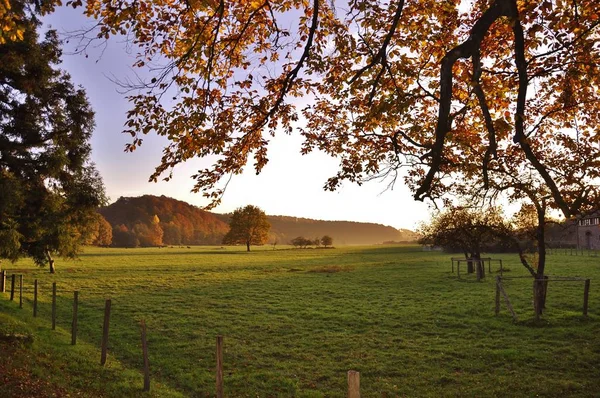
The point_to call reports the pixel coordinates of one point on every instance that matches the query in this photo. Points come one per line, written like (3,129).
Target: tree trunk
(50,262)
(480,269)
(470,268)
(540,284)
(248,246)
(539,296)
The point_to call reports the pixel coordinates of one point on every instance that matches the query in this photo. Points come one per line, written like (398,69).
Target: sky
(290,184)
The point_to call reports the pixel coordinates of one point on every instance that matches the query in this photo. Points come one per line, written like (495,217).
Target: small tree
(301,241)
(326,240)
(248,225)
(466,229)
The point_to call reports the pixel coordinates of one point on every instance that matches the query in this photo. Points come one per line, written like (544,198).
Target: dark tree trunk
(540,284)
(470,268)
(480,269)
(248,246)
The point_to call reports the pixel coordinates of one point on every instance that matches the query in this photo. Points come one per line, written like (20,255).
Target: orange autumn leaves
(365,83)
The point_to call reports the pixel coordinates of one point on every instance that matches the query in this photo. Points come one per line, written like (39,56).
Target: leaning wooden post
(353,384)
(105,332)
(21,291)
(497,295)
(586,294)
(12,287)
(145,355)
(35,297)
(54,306)
(74,323)
(219,366)
(2,281)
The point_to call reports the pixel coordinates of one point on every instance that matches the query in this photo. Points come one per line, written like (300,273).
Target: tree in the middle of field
(248,225)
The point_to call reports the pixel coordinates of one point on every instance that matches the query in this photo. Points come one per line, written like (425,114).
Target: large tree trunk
(540,284)
(50,262)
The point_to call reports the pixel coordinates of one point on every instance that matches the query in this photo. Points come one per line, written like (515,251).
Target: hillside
(343,232)
(153,221)
(176,222)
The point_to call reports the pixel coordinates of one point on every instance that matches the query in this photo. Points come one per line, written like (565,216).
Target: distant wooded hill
(152,221)
(285,228)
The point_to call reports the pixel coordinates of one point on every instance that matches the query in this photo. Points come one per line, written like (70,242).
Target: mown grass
(295,321)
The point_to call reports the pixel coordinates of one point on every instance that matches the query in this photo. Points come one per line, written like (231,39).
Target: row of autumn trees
(301,241)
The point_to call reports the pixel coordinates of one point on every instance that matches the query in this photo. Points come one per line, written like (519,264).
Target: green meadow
(295,321)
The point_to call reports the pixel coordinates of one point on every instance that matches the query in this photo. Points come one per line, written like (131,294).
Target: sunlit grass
(295,321)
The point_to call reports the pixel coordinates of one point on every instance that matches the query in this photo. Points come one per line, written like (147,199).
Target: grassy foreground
(295,321)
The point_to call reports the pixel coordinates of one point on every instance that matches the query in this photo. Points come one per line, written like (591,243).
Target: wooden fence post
(21,291)
(145,355)
(35,297)
(54,306)
(105,332)
(2,281)
(74,322)
(497,295)
(586,294)
(353,384)
(219,367)
(12,287)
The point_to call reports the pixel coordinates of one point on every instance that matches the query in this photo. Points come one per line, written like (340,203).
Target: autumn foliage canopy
(451,90)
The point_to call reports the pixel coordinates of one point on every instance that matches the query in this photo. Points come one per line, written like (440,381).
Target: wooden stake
(74,322)
(2,281)
(586,294)
(20,291)
(497,295)
(105,332)
(510,308)
(12,287)
(353,384)
(145,355)
(54,306)
(35,297)
(219,367)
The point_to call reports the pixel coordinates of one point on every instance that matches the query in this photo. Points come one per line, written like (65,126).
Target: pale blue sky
(290,184)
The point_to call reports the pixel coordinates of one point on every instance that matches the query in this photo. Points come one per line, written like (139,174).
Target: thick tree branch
(463,50)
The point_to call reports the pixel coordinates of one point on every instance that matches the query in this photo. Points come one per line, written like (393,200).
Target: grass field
(295,321)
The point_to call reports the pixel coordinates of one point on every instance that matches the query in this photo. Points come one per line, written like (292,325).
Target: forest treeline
(155,221)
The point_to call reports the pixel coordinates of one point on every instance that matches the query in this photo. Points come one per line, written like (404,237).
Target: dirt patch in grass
(330,269)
